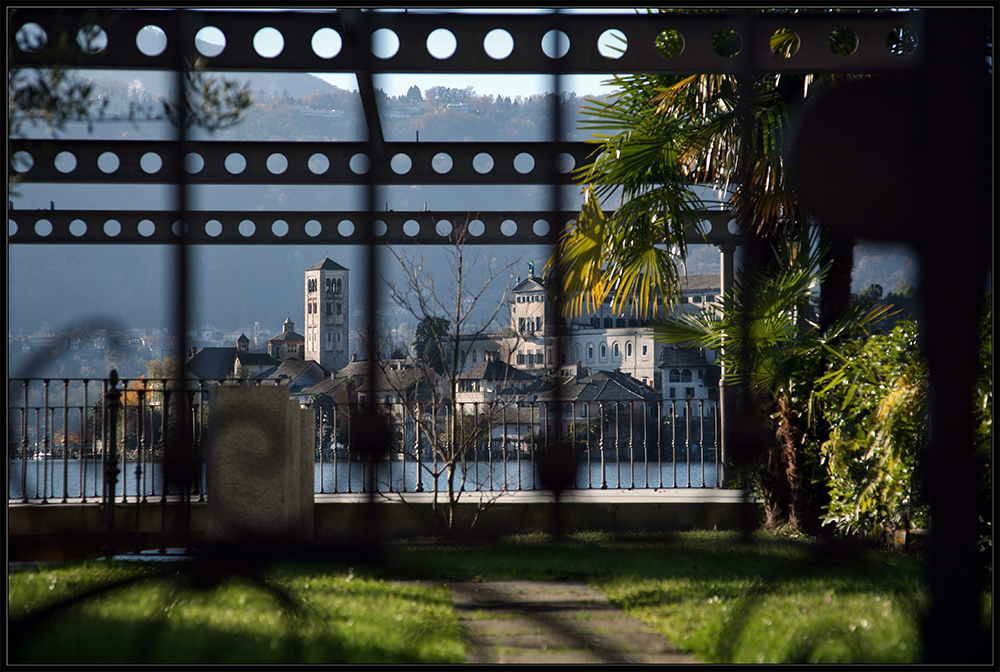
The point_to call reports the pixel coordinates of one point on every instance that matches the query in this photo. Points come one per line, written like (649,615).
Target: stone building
(327,309)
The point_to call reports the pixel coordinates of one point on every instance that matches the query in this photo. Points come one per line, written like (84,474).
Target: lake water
(342,477)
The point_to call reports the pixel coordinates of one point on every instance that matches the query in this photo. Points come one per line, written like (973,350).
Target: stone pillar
(261,465)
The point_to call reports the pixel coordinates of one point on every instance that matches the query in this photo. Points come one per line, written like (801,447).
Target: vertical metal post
(727,393)
(112,402)
(65,440)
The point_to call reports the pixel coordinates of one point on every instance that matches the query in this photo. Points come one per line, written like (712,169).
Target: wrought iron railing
(61,442)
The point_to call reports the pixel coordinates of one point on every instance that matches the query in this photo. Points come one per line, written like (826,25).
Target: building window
(578,351)
(673,393)
(340,309)
(675,376)
(473,356)
(595,321)
(645,350)
(686,376)
(590,352)
(615,351)
(604,350)
(607,322)
(329,308)
(689,392)
(628,351)
(620,322)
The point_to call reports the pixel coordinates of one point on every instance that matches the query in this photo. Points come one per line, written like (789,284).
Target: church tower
(327,311)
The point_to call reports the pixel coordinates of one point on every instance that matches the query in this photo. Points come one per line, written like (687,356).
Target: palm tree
(658,136)
(769,342)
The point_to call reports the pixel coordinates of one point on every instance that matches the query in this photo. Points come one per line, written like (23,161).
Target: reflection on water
(44,479)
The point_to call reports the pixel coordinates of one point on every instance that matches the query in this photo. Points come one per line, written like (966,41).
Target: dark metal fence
(61,441)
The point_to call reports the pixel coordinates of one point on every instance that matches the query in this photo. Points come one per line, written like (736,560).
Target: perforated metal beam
(873,32)
(309,227)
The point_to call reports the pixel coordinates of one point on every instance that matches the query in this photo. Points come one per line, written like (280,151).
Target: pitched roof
(684,357)
(256,359)
(700,282)
(212,363)
(600,386)
(493,369)
(528,285)
(326,265)
(288,336)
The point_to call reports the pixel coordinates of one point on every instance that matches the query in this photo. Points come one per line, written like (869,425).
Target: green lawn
(775,600)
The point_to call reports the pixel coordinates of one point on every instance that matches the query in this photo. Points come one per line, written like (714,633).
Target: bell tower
(327,309)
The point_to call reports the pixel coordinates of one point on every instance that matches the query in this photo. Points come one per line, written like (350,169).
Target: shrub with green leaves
(874,401)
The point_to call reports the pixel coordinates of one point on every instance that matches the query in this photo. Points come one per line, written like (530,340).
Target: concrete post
(261,465)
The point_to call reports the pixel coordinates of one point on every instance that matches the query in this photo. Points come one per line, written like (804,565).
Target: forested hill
(236,287)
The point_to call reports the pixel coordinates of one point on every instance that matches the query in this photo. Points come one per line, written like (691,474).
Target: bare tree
(440,422)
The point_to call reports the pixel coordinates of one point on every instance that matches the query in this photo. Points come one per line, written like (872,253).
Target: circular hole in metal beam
(78,227)
(498,44)
(30,38)
(360,164)
(150,163)
(482,163)
(411,227)
(65,162)
(326,43)
(901,41)
(21,162)
(441,44)
(151,40)
(277,163)
(279,228)
(442,163)
(112,228)
(385,43)
(319,164)
(247,228)
(268,42)
(193,163)
(727,43)
(108,162)
(669,43)
(43,228)
(508,227)
(213,227)
(524,163)
(443,228)
(379,228)
(236,163)
(612,43)
(785,43)
(477,228)
(345,228)
(210,41)
(92,39)
(843,42)
(313,228)
(555,44)
(401,164)
(146,228)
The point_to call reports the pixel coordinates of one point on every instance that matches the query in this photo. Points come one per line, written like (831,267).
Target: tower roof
(326,265)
